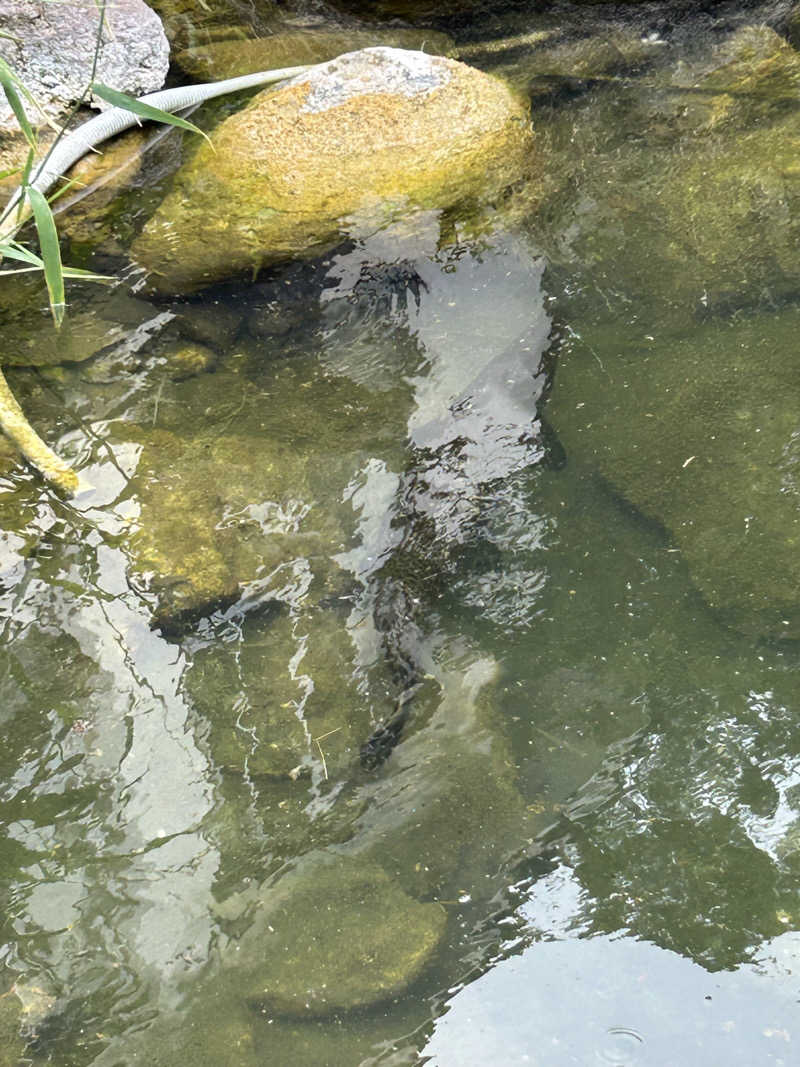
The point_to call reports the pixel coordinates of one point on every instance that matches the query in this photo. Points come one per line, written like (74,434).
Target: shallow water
(444,485)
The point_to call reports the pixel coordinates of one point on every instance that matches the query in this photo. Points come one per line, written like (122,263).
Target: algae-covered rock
(289,47)
(363,138)
(186,360)
(188,23)
(701,432)
(251,503)
(290,699)
(219,512)
(681,197)
(335,937)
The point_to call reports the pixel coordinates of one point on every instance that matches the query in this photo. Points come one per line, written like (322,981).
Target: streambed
(531,485)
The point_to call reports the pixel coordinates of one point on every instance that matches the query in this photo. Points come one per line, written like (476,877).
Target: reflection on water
(620,1002)
(458,735)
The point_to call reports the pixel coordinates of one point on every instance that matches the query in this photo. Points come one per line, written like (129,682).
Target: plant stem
(17,428)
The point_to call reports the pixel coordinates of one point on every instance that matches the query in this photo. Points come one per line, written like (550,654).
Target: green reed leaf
(10,82)
(51,253)
(144,111)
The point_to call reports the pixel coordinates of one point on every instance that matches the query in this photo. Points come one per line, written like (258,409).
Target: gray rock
(51,47)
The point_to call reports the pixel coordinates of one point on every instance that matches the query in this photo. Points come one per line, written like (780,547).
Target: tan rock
(358,141)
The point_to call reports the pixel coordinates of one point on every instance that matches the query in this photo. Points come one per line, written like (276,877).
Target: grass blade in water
(51,253)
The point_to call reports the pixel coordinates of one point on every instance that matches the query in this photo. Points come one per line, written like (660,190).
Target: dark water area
(418,680)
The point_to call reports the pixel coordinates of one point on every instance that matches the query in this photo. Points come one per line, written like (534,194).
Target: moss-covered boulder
(335,937)
(188,23)
(290,47)
(701,432)
(359,140)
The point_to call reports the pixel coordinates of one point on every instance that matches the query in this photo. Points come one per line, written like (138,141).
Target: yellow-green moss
(283,180)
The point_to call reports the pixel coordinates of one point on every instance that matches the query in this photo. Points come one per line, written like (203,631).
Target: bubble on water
(622,1047)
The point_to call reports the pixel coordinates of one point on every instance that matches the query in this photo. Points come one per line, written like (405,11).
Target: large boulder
(678,199)
(352,143)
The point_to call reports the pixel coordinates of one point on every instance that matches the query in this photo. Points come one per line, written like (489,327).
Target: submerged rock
(186,360)
(335,937)
(353,143)
(92,324)
(701,433)
(217,513)
(289,47)
(247,504)
(288,699)
(681,197)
